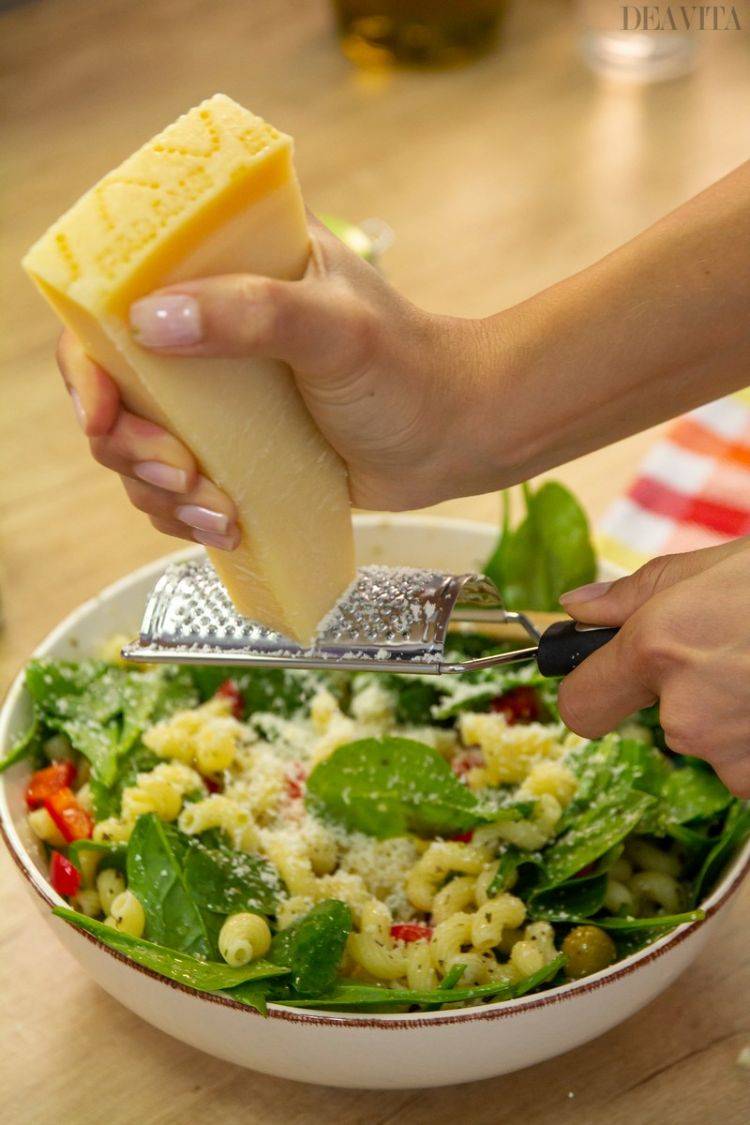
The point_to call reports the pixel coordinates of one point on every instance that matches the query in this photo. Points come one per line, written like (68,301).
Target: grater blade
(390,619)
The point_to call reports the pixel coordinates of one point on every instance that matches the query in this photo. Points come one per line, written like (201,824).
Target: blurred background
(506,143)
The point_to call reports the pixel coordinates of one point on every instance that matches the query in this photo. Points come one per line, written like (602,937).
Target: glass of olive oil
(418,33)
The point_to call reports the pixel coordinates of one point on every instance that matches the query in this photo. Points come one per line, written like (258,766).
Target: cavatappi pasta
(426,906)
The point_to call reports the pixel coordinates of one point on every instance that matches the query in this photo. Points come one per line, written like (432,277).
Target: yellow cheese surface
(214,193)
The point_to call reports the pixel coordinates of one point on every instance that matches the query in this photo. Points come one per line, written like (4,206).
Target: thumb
(316,324)
(612,603)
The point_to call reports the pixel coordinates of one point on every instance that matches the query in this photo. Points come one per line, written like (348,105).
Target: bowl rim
(501,1009)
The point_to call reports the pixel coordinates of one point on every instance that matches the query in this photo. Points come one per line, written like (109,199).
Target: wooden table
(498,179)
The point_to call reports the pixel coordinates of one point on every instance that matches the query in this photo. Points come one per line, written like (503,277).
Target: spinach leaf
(620,763)
(694,843)
(279,691)
(205,976)
(545,975)
(570,901)
(49,681)
(694,793)
(605,823)
(736,830)
(655,922)
(253,993)
(103,709)
(415,698)
(452,977)
(351,994)
(508,864)
(313,947)
(149,697)
(226,881)
(27,745)
(108,798)
(155,876)
(390,786)
(548,553)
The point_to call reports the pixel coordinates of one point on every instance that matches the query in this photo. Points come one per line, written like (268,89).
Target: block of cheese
(214,193)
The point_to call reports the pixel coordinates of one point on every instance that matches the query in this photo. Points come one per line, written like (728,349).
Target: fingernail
(161,475)
(78,407)
(203,519)
(166,322)
(223,542)
(585,593)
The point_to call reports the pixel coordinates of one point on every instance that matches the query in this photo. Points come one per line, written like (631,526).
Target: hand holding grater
(391,619)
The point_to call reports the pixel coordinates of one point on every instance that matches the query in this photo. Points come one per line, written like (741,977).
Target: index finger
(605,689)
(95,395)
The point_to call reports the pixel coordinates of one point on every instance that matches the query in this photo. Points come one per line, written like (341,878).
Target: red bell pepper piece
(64,875)
(229,690)
(410,931)
(295,783)
(60,775)
(520,705)
(464,837)
(73,821)
(467,760)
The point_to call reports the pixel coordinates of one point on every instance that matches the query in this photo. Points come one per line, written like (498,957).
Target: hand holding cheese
(214,192)
(384,381)
(422,407)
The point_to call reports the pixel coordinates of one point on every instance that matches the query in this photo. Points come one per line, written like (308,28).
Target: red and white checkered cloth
(692,489)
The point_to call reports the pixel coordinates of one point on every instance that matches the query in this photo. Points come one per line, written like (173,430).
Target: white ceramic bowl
(375,1051)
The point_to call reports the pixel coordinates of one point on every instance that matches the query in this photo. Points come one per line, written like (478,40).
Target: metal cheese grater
(390,620)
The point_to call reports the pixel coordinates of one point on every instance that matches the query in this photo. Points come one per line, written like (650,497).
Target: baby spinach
(156,878)
(252,993)
(352,995)
(313,947)
(549,552)
(108,798)
(654,922)
(508,864)
(415,698)
(695,842)
(226,881)
(570,901)
(606,822)
(391,786)
(735,831)
(279,691)
(24,747)
(621,763)
(693,792)
(103,709)
(205,976)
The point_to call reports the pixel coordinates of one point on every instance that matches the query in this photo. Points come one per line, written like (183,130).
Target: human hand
(387,384)
(684,640)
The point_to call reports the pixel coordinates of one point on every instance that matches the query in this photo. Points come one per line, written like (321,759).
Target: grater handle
(566,644)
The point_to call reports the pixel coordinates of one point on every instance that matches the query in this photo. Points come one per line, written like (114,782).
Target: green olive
(588,949)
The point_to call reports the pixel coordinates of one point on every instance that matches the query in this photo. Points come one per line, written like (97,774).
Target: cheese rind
(214,193)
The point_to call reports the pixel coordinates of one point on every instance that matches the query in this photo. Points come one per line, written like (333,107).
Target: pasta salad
(362,841)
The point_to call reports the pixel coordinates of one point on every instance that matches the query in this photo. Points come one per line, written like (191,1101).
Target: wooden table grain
(497,179)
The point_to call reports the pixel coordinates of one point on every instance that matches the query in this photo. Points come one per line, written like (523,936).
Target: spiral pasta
(243,938)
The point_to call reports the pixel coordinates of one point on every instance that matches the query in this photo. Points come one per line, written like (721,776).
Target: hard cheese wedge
(215,193)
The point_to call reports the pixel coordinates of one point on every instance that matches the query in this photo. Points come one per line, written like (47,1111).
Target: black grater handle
(566,644)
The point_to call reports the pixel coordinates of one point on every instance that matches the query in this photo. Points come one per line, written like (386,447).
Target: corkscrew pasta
(236,783)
